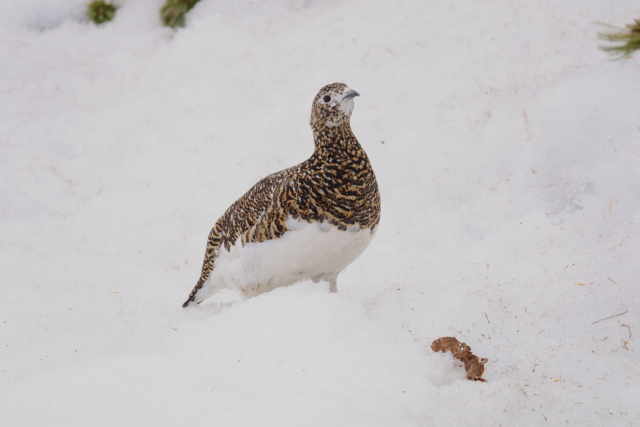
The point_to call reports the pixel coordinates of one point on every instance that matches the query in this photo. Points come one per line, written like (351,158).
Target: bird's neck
(336,142)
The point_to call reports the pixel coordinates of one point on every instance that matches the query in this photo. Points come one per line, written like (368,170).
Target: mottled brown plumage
(336,185)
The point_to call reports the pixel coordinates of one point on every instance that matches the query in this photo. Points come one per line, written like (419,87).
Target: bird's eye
(326,98)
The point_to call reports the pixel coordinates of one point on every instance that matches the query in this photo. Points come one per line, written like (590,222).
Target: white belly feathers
(316,251)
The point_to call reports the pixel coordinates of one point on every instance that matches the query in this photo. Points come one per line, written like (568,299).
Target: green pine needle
(626,40)
(100,11)
(173,12)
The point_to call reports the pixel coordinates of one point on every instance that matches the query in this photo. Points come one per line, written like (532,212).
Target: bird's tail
(192,296)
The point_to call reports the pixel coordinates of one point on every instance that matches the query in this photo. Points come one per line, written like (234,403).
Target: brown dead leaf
(472,363)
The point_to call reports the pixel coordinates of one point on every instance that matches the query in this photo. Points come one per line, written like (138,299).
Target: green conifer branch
(627,39)
(100,11)
(173,12)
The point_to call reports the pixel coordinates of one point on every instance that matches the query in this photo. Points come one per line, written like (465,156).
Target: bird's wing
(251,218)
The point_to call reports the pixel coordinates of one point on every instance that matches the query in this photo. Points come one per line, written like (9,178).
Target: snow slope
(506,146)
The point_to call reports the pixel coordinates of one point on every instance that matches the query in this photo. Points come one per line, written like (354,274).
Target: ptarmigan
(306,222)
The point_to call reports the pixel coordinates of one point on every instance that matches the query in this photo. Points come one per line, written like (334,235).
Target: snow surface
(506,146)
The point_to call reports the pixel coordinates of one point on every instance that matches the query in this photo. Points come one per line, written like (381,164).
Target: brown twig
(610,317)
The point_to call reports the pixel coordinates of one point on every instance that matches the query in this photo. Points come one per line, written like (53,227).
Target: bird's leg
(333,283)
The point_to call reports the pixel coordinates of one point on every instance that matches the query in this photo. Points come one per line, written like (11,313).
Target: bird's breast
(307,250)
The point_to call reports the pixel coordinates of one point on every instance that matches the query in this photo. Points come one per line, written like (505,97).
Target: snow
(506,146)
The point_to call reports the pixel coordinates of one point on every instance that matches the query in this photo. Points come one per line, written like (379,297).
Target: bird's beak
(351,94)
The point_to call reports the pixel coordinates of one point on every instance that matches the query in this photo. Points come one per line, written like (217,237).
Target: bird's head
(332,106)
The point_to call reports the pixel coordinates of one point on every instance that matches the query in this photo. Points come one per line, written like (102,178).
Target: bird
(309,221)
